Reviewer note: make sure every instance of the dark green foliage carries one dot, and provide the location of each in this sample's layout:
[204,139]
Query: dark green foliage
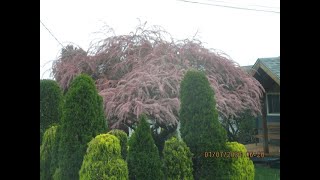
[50,104]
[143,157]
[122,136]
[241,128]
[241,167]
[177,160]
[246,128]
[200,128]
[46,150]
[83,119]
[103,160]
[160,138]
[70,51]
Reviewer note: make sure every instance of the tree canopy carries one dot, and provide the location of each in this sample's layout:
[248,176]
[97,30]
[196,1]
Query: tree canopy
[141,73]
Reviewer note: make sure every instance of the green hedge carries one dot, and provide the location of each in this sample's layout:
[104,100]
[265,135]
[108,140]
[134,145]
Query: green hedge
[122,136]
[177,160]
[46,150]
[83,119]
[50,104]
[143,157]
[103,160]
[200,128]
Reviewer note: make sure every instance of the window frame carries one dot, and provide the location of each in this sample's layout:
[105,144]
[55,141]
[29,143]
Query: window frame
[272,114]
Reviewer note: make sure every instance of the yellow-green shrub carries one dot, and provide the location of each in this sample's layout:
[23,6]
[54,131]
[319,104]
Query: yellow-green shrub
[46,151]
[103,160]
[239,167]
[177,160]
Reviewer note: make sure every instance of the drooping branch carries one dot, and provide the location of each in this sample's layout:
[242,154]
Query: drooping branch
[141,73]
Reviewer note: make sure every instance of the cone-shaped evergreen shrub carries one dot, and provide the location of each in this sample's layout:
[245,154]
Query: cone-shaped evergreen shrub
[200,128]
[177,160]
[143,157]
[46,150]
[83,119]
[103,160]
[50,104]
[122,136]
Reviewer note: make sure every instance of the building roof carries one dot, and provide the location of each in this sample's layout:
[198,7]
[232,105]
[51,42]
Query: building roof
[270,65]
[246,68]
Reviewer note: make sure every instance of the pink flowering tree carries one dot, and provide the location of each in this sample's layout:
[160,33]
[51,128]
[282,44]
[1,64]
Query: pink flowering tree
[141,73]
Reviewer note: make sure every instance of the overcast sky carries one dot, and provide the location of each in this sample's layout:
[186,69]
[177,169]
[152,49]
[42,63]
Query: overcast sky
[243,34]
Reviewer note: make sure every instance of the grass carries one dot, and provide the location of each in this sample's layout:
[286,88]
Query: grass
[266,173]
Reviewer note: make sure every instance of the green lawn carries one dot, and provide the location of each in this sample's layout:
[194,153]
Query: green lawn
[266,173]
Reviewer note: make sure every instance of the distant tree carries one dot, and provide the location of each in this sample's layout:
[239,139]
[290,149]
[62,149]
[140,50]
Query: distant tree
[177,160]
[122,136]
[200,128]
[103,160]
[71,51]
[160,138]
[67,55]
[50,104]
[46,150]
[83,119]
[246,129]
[240,129]
[143,157]
[141,73]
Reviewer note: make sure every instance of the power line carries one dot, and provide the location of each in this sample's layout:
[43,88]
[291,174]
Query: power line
[248,4]
[51,34]
[234,7]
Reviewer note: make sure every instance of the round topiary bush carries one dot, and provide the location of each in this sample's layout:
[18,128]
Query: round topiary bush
[50,104]
[177,160]
[46,150]
[143,156]
[83,119]
[240,167]
[200,128]
[122,136]
[103,160]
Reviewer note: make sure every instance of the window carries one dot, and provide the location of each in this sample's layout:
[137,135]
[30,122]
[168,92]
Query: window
[273,102]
